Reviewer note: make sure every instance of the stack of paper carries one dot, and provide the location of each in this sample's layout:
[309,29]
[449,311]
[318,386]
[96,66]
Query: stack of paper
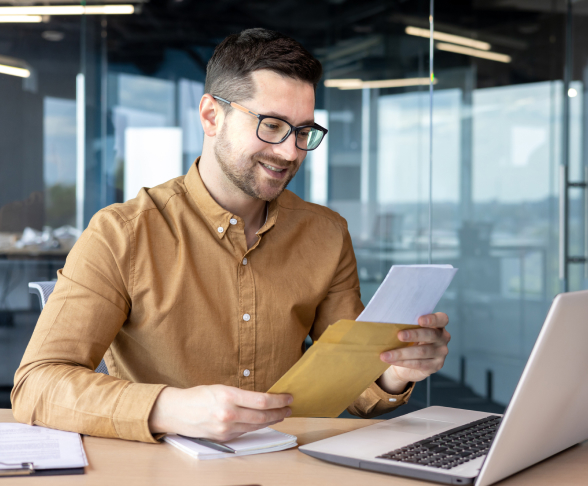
[51,451]
[345,360]
[258,442]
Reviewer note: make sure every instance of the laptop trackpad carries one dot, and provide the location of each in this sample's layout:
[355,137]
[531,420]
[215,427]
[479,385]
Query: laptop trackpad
[418,426]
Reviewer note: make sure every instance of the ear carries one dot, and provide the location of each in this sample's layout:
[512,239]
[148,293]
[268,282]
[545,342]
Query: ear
[211,115]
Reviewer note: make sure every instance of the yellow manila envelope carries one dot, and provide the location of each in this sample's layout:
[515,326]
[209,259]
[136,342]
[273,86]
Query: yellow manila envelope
[338,367]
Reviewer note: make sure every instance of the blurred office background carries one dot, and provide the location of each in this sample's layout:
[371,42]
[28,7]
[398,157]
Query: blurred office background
[96,103]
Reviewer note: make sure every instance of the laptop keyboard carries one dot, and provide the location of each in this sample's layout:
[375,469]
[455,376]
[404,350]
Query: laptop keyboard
[450,448]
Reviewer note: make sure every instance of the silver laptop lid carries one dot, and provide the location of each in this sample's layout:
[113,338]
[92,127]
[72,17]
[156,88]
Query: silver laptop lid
[549,409]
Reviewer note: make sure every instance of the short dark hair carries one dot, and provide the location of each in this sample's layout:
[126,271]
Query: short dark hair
[228,73]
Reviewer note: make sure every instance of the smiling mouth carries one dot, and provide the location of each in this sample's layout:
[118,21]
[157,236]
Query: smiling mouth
[272,168]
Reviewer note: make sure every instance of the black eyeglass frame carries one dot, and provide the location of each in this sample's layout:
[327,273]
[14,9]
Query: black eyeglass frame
[263,117]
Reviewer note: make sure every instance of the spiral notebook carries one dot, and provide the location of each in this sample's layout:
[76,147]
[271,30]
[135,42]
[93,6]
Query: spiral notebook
[257,442]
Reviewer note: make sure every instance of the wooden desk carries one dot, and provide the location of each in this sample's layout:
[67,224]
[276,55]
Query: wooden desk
[114,462]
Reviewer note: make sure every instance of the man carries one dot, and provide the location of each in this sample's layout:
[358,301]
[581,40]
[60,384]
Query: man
[200,292]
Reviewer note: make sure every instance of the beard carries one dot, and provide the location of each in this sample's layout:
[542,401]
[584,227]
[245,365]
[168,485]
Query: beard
[242,171]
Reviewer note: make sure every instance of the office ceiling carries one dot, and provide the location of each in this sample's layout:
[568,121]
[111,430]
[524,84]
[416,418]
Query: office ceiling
[353,38]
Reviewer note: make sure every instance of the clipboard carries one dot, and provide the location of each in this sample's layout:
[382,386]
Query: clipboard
[25,451]
[339,367]
[28,469]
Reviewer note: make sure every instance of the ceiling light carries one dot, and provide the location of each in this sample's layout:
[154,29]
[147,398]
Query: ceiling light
[384,83]
[14,71]
[572,92]
[343,83]
[69,10]
[492,56]
[14,19]
[454,39]
[397,83]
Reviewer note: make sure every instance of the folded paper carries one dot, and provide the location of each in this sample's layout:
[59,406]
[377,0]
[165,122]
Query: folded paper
[339,367]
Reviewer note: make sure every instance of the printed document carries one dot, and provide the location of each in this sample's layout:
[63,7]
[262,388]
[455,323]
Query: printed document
[45,448]
[408,292]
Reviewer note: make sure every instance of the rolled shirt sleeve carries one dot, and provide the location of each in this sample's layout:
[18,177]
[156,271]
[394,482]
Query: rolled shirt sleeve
[55,385]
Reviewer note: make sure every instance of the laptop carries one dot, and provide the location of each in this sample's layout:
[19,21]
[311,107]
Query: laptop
[547,414]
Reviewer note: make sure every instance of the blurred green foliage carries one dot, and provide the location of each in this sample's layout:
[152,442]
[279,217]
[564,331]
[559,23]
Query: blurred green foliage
[60,205]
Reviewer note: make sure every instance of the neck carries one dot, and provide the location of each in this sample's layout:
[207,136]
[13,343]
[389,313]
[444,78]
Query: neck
[250,209]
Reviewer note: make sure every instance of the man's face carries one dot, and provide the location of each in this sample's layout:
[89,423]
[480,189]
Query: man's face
[259,169]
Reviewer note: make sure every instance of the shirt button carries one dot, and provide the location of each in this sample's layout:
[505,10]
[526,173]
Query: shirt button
[220,229]
[246,317]
[233,221]
[244,261]
[246,372]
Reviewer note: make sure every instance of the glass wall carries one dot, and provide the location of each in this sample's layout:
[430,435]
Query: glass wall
[39,63]
[111,105]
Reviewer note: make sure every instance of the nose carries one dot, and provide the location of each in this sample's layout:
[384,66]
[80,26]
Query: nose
[287,149]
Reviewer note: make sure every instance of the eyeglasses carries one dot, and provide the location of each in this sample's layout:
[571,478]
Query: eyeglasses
[271,129]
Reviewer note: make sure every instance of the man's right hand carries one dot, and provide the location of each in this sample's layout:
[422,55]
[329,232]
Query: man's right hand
[216,412]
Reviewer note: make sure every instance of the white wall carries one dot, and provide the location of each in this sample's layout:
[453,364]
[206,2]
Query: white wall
[152,157]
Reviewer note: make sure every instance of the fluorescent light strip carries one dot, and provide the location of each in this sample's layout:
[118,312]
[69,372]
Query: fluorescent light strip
[396,83]
[345,84]
[69,10]
[492,56]
[14,71]
[20,19]
[454,39]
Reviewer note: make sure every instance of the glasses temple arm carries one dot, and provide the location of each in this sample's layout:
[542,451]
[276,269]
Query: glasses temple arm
[236,106]
[243,109]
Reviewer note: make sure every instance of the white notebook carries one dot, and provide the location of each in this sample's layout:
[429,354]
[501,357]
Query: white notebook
[258,442]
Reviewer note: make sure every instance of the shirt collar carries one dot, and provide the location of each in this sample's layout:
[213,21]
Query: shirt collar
[218,217]
[272,216]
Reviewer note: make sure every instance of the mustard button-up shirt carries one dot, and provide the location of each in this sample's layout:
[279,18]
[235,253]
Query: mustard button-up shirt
[166,290]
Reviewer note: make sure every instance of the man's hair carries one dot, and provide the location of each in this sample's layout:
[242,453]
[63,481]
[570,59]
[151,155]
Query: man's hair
[228,73]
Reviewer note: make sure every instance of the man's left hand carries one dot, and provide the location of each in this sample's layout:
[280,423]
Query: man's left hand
[415,363]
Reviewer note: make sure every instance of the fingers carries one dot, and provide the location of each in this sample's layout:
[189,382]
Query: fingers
[220,412]
[255,408]
[420,352]
[260,401]
[438,320]
[425,366]
[262,417]
[424,335]
[238,411]
[225,432]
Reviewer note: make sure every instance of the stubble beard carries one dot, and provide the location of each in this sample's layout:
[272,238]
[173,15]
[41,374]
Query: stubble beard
[240,170]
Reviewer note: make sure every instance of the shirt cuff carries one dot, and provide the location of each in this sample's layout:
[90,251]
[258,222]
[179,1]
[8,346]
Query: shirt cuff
[375,401]
[132,410]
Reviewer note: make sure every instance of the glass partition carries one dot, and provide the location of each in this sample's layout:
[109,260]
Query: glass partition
[111,105]
[39,62]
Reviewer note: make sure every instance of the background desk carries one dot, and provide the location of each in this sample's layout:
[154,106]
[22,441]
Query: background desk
[117,462]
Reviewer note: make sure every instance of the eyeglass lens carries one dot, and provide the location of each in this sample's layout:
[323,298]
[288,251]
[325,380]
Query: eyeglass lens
[273,130]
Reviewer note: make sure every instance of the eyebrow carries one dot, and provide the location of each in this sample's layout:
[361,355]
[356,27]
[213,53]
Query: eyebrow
[278,115]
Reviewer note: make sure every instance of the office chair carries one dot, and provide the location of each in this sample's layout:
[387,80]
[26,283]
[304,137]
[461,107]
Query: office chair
[43,290]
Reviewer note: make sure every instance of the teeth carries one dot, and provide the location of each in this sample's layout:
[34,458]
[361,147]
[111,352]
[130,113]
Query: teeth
[272,168]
